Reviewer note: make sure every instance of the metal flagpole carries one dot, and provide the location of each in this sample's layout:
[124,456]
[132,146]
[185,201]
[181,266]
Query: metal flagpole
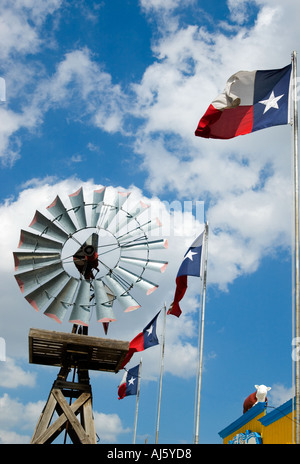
[161,374]
[201,336]
[137,402]
[296,205]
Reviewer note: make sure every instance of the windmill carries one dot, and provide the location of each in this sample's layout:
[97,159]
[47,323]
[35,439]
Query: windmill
[81,263]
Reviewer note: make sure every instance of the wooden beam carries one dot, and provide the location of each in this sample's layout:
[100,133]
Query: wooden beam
[59,349]
[71,417]
[44,434]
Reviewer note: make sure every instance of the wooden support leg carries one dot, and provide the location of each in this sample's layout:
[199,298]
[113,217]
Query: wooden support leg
[80,431]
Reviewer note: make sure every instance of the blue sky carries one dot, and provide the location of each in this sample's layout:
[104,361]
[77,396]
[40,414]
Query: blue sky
[109,93]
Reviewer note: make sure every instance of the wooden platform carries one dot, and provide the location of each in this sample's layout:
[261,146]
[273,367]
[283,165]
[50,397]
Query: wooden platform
[83,351]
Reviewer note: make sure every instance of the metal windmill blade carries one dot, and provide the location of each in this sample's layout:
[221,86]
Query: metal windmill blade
[60,213]
[36,243]
[29,260]
[63,301]
[139,208]
[98,197]
[82,309]
[122,295]
[136,279]
[104,303]
[44,294]
[113,208]
[78,261]
[139,232]
[77,202]
[153,264]
[45,226]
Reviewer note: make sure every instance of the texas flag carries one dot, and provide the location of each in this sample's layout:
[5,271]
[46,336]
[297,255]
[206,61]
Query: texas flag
[143,340]
[251,100]
[128,385]
[190,266]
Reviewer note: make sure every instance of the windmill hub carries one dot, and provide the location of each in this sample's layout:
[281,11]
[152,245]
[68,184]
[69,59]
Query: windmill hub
[90,251]
[92,248]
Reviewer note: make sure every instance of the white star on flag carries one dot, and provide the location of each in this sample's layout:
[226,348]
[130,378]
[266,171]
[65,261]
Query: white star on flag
[271,102]
[190,254]
[131,381]
[150,330]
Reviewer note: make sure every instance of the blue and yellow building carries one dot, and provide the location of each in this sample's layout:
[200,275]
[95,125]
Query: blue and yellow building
[262,425]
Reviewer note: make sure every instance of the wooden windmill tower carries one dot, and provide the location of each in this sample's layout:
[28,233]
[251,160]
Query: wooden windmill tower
[82,268]
[80,353]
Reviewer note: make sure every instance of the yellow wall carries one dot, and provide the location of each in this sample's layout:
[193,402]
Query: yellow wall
[279,432]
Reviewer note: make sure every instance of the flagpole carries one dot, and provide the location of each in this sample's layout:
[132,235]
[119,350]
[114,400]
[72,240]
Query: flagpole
[137,402]
[296,206]
[202,315]
[161,374]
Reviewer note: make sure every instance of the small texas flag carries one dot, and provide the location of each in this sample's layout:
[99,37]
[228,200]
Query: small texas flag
[190,266]
[129,383]
[143,340]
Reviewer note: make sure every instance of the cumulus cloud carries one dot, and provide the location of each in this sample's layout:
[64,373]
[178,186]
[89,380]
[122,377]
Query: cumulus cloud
[13,376]
[109,427]
[280,394]
[13,415]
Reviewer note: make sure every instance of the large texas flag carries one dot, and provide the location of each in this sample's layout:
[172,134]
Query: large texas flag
[251,100]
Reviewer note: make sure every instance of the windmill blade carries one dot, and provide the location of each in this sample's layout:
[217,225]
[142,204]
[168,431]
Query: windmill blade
[77,202]
[151,225]
[136,280]
[32,279]
[25,261]
[58,210]
[114,208]
[45,226]
[81,309]
[104,311]
[127,302]
[35,242]
[60,305]
[140,230]
[136,211]
[98,196]
[43,295]
[152,264]
[153,245]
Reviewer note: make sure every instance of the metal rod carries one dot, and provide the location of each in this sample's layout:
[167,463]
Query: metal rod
[137,402]
[202,315]
[161,374]
[296,205]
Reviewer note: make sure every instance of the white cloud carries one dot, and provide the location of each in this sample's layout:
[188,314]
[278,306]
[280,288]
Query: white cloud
[21,23]
[13,376]
[16,416]
[279,394]
[109,427]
